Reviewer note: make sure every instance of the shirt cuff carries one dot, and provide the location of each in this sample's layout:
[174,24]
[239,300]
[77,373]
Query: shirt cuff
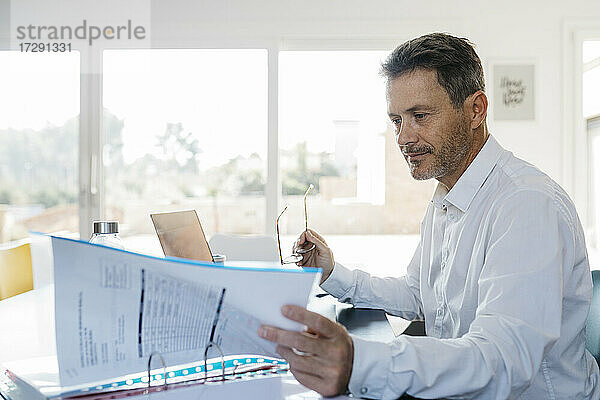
[370,368]
[339,281]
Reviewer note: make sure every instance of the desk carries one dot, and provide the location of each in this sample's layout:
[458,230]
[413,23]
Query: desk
[31,330]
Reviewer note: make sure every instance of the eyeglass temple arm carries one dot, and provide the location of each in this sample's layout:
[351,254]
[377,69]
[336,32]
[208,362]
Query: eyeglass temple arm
[310,187]
[277,229]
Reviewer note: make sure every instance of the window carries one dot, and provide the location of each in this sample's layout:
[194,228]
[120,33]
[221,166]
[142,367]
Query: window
[185,129]
[591,112]
[334,134]
[39,126]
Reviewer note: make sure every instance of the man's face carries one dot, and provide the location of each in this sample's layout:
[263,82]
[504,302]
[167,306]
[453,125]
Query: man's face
[434,137]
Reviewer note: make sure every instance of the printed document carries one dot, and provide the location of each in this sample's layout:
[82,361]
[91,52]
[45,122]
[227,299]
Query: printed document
[115,308]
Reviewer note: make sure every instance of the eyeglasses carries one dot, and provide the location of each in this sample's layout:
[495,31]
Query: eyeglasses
[299,253]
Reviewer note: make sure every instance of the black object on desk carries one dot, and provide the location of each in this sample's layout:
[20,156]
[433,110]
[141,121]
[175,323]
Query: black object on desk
[365,323]
[415,328]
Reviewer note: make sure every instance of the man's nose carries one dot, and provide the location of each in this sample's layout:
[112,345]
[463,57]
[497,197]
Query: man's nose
[405,135]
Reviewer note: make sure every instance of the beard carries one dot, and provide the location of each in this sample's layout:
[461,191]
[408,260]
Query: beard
[448,159]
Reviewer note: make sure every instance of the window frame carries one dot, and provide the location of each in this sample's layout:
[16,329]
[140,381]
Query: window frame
[575,154]
[91,140]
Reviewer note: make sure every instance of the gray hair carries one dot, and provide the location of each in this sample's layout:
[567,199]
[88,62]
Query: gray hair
[458,67]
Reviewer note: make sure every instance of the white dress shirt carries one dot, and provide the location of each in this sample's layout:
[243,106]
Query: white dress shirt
[502,279]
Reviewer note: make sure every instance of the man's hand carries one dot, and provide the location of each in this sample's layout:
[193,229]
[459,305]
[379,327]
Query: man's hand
[326,364]
[320,257]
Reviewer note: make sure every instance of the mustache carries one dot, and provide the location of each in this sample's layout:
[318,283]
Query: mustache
[408,149]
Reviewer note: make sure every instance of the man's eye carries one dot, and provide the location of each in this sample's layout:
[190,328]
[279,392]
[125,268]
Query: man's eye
[397,125]
[420,116]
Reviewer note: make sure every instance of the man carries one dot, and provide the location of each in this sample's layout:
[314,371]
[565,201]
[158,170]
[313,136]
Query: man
[501,274]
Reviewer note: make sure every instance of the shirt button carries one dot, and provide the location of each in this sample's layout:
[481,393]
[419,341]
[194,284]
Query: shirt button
[440,312]
[443,264]
[364,390]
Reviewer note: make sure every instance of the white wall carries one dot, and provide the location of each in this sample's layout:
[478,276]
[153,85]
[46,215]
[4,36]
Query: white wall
[508,30]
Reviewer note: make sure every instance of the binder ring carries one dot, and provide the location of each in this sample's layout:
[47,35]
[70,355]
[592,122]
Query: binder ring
[208,346]
[162,360]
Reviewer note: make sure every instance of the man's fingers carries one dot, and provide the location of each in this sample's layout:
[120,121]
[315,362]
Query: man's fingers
[308,238]
[314,239]
[302,238]
[298,340]
[298,362]
[315,322]
[308,259]
[300,241]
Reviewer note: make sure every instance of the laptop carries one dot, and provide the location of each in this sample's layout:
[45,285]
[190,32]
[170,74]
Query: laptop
[181,235]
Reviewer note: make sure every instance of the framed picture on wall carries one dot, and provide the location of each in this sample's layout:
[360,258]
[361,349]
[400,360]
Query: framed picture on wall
[514,92]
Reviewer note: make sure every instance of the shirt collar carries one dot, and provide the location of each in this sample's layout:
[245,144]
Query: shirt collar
[463,192]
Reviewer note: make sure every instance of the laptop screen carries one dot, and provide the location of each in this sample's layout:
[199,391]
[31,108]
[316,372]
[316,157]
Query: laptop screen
[180,234]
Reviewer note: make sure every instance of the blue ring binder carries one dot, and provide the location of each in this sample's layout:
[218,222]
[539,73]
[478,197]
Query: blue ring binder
[195,373]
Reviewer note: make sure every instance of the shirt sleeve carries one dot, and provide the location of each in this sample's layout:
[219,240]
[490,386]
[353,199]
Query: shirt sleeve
[518,318]
[397,296]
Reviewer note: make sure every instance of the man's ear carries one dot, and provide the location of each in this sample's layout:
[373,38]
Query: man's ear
[477,105]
